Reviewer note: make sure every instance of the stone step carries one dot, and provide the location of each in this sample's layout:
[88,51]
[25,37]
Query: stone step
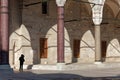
[91,66]
[73,66]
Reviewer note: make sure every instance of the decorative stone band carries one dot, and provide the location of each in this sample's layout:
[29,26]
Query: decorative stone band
[4,7]
[3,12]
[60,2]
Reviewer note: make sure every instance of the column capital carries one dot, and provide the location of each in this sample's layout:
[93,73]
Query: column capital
[97,11]
[97,20]
[60,2]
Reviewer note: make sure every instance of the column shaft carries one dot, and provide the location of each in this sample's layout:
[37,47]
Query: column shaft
[60,35]
[4,31]
[97,43]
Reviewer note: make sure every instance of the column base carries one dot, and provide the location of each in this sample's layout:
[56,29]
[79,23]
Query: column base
[97,62]
[60,66]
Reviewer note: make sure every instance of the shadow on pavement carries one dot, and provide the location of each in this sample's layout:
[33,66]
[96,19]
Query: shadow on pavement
[41,75]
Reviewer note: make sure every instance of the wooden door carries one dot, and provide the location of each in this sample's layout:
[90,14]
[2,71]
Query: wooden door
[76,48]
[103,48]
[43,48]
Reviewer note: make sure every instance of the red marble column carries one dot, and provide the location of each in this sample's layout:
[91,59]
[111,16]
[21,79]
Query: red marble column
[60,35]
[4,30]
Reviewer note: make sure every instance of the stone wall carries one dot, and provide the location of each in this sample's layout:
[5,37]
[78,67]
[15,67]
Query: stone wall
[78,25]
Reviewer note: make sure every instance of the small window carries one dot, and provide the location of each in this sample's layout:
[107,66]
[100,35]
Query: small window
[44,7]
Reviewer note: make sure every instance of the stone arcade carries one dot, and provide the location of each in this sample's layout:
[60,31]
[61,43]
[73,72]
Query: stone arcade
[59,32]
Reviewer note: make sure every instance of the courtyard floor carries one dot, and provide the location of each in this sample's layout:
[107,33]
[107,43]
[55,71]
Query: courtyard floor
[83,74]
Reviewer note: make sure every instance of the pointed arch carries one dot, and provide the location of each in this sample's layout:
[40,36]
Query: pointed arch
[52,45]
[113,49]
[87,46]
[20,43]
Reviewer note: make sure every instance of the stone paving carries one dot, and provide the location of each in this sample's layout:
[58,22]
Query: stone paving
[86,74]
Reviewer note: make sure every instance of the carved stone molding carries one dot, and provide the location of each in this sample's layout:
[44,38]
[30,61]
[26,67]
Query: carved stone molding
[60,2]
[97,11]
